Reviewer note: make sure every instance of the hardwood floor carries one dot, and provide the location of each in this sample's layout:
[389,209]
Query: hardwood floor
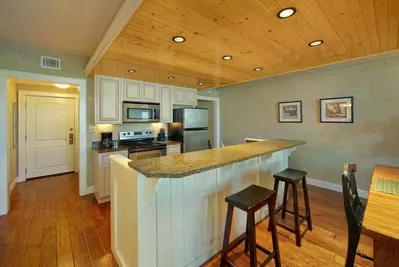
[50,225]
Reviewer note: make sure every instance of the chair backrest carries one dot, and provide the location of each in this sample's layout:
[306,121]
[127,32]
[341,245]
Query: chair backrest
[351,203]
[350,170]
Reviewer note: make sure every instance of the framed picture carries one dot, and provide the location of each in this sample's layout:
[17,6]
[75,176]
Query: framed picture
[338,110]
[290,111]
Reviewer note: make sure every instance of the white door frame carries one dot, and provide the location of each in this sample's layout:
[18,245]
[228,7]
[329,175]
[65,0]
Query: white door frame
[82,85]
[216,114]
[22,128]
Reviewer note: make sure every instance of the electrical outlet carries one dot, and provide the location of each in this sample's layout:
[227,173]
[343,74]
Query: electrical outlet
[107,128]
[92,128]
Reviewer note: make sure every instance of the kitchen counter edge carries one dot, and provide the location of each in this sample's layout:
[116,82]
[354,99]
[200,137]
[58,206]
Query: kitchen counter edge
[156,168]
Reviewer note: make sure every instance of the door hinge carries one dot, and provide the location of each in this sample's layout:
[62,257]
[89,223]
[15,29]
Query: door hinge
[26,105]
[26,137]
[26,170]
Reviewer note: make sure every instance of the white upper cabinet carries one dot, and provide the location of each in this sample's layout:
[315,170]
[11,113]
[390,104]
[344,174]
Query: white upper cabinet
[166,111]
[185,96]
[191,97]
[180,96]
[108,100]
[132,90]
[151,93]
[138,91]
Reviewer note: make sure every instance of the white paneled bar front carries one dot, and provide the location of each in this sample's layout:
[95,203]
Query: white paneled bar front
[172,222]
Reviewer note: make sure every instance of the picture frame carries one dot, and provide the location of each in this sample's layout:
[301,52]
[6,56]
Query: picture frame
[290,112]
[336,110]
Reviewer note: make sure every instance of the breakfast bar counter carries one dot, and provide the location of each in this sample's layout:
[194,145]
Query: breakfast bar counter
[181,165]
[170,211]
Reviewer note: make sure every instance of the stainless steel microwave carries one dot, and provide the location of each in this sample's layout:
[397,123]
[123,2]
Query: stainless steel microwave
[140,112]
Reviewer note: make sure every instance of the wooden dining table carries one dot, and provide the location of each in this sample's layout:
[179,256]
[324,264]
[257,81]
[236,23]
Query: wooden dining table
[381,219]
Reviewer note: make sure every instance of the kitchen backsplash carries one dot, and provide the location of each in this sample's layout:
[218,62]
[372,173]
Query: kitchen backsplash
[126,127]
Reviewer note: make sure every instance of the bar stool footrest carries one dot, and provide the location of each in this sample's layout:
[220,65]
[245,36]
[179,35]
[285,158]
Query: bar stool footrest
[270,254]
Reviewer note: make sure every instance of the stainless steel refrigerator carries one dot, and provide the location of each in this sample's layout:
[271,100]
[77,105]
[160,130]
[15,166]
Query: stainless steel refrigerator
[190,126]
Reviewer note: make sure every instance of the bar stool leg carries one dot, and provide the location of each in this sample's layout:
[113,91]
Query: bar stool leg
[252,239]
[272,222]
[246,240]
[307,205]
[275,189]
[226,238]
[284,200]
[296,215]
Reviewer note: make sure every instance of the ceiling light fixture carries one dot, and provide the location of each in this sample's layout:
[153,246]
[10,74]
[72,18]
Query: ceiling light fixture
[179,39]
[286,13]
[316,43]
[200,83]
[227,57]
[258,69]
[62,86]
[171,78]
[131,70]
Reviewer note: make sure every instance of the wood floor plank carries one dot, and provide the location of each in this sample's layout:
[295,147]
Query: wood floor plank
[32,257]
[60,228]
[48,256]
[64,249]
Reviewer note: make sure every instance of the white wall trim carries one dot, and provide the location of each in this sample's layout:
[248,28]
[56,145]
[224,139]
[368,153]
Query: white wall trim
[126,11]
[216,108]
[4,162]
[333,187]
[22,128]
[12,186]
[90,190]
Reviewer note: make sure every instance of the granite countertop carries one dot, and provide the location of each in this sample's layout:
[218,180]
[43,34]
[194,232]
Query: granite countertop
[109,149]
[181,165]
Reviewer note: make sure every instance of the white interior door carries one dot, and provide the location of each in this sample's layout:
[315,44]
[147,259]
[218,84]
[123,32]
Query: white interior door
[50,128]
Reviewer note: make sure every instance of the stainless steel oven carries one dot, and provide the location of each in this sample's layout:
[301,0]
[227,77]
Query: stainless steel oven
[140,112]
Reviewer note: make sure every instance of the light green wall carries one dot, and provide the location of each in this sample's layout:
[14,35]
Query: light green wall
[26,58]
[250,110]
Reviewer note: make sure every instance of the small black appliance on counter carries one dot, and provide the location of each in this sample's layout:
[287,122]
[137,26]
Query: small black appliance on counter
[106,139]
[161,135]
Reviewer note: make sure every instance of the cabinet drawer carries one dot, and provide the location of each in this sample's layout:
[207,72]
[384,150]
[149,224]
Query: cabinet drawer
[173,149]
[105,160]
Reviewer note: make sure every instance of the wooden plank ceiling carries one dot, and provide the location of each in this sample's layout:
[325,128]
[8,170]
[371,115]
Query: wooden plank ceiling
[251,32]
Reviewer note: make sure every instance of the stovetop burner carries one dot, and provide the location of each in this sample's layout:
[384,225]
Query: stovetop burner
[139,141]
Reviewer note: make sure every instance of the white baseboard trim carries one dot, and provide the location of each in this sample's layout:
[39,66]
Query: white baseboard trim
[12,186]
[334,187]
[90,190]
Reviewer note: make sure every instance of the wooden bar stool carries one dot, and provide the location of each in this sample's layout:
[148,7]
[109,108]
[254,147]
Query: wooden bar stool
[293,177]
[250,200]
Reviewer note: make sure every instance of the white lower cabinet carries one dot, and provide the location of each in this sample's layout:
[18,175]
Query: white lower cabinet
[173,149]
[101,174]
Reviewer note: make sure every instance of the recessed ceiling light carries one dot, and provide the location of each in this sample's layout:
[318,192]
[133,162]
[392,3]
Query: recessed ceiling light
[62,86]
[316,43]
[227,57]
[131,70]
[171,78]
[258,69]
[200,83]
[286,13]
[179,39]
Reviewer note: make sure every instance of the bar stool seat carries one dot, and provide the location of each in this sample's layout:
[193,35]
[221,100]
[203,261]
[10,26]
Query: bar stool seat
[293,177]
[250,200]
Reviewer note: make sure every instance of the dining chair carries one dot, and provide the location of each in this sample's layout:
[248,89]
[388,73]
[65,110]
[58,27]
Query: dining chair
[354,211]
